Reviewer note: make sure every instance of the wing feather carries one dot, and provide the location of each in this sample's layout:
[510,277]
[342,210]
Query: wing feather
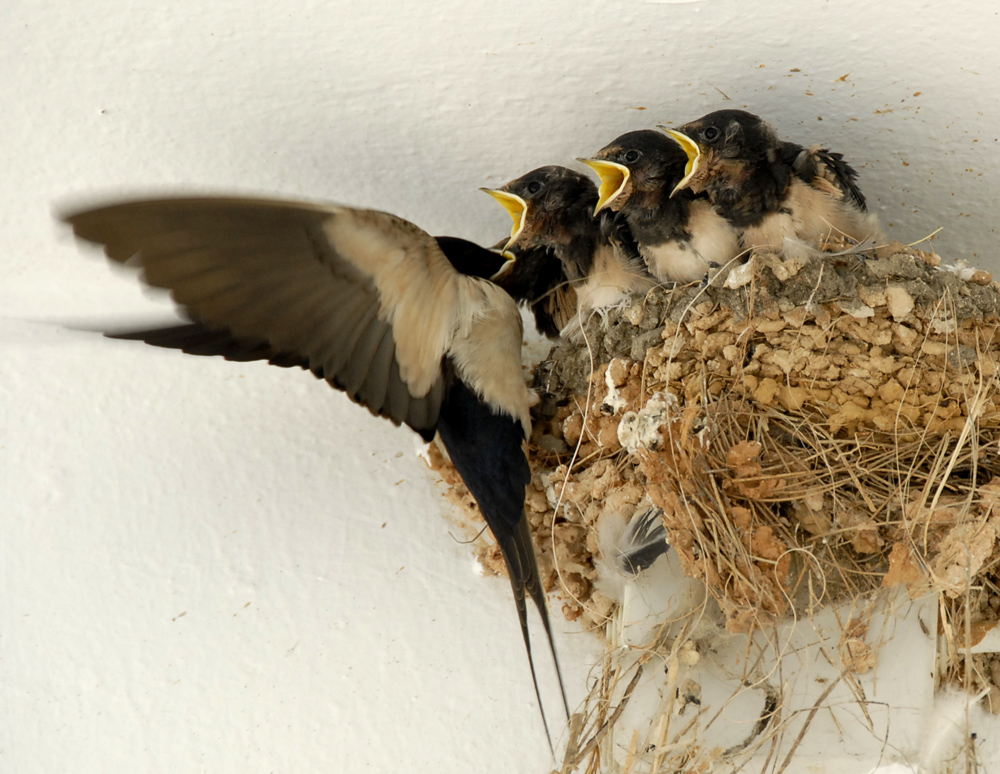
[365,298]
[340,345]
[398,401]
[356,370]
[376,383]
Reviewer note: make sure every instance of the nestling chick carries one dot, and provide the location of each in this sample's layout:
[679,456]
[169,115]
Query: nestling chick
[678,237]
[552,209]
[776,196]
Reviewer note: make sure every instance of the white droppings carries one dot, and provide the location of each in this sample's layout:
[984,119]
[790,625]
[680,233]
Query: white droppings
[960,269]
[740,276]
[643,429]
[423,451]
[613,399]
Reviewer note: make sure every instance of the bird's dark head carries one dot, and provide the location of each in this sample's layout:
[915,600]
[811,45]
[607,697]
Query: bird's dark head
[723,147]
[638,166]
[547,206]
[733,134]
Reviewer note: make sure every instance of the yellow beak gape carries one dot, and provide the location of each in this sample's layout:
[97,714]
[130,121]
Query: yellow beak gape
[516,207]
[693,153]
[613,179]
[509,259]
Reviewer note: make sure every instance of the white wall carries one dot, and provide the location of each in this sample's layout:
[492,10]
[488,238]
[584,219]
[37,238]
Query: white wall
[137,485]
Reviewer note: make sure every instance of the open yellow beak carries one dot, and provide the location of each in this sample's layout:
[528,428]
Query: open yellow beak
[508,263]
[693,153]
[613,179]
[516,207]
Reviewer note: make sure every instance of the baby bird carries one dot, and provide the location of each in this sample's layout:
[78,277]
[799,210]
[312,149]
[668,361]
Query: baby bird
[678,237]
[552,209]
[778,195]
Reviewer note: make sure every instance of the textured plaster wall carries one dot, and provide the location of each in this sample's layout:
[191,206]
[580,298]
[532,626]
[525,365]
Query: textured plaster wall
[212,567]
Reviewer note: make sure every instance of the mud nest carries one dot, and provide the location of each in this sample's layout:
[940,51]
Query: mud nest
[811,431]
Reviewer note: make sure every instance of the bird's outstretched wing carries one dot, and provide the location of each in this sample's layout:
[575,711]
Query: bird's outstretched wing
[364,298]
[198,339]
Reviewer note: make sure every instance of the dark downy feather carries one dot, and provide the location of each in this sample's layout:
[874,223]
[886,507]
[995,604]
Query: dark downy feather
[810,163]
[615,230]
[469,258]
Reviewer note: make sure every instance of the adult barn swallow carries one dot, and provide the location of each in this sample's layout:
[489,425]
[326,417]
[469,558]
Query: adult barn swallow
[404,324]
[770,190]
[553,213]
[678,237]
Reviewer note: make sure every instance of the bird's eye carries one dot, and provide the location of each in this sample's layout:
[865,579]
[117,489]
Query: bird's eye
[711,134]
[534,187]
[632,156]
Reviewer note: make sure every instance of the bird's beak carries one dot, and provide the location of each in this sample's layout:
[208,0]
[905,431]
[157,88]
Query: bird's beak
[517,208]
[693,153]
[613,179]
[508,263]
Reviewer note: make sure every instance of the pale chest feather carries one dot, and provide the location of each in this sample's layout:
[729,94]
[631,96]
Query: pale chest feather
[713,241]
[770,232]
[674,261]
[814,213]
[612,278]
[712,236]
[486,349]
[809,214]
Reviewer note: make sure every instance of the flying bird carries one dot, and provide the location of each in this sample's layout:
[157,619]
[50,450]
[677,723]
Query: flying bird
[778,195]
[553,214]
[403,323]
[679,237]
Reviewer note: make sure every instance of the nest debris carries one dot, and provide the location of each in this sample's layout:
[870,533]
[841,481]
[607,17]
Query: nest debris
[812,431]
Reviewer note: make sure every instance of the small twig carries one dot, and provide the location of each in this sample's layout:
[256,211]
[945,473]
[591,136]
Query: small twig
[612,719]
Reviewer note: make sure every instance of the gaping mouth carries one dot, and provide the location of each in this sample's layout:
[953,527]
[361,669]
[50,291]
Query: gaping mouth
[613,179]
[516,207]
[693,153]
[509,260]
